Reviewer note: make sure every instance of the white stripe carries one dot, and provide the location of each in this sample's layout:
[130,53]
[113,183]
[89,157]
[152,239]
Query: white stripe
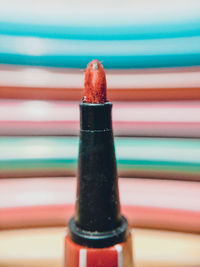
[83,258]
[119,255]
[147,79]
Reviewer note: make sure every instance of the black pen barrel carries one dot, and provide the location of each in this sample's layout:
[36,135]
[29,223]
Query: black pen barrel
[97,220]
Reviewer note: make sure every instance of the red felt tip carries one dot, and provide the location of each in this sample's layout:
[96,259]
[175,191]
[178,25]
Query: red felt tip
[95,83]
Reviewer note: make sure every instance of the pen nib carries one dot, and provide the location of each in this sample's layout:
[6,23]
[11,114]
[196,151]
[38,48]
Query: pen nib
[95,83]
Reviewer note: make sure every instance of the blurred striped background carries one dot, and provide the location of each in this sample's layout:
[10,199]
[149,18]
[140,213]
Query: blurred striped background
[151,54]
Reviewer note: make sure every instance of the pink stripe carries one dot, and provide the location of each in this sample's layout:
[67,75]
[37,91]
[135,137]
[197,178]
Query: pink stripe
[146,203]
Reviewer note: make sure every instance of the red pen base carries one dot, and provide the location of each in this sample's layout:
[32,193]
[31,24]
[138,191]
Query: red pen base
[119,255]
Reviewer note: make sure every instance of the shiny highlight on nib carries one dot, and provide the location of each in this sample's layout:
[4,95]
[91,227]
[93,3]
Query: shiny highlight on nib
[95,83]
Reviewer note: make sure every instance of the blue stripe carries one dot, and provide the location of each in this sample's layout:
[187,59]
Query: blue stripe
[125,32]
[158,53]
[113,62]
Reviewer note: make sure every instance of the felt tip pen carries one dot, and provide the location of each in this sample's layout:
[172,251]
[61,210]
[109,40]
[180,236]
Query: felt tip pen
[98,230]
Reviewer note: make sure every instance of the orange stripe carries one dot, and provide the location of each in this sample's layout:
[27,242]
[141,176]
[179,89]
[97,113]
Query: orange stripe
[113,94]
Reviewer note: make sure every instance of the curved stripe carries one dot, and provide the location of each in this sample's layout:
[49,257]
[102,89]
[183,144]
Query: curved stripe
[136,157]
[154,204]
[174,119]
[128,20]
[175,52]
[123,79]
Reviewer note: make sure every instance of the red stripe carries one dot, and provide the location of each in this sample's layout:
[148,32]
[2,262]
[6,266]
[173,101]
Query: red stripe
[138,216]
[123,94]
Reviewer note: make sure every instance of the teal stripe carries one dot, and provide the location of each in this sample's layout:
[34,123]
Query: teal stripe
[174,52]
[133,31]
[42,165]
[133,154]
[71,164]
[162,166]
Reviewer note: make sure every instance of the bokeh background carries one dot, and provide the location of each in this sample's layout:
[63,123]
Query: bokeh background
[151,54]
